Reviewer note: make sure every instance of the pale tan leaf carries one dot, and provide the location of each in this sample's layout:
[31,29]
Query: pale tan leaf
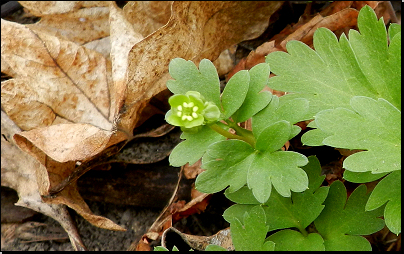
[196,30]
[147,16]
[72,80]
[80,26]
[102,46]
[61,81]
[41,8]
[123,37]
[18,171]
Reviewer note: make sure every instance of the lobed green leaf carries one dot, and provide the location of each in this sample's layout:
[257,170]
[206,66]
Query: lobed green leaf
[187,77]
[297,211]
[291,240]
[342,221]
[250,235]
[373,126]
[388,190]
[194,146]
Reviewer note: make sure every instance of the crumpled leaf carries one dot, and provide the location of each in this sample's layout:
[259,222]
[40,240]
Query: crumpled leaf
[343,221]
[18,171]
[74,101]
[80,26]
[40,8]
[147,16]
[72,107]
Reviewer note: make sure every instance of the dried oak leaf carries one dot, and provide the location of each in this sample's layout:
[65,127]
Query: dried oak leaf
[40,8]
[18,171]
[62,96]
[147,16]
[72,107]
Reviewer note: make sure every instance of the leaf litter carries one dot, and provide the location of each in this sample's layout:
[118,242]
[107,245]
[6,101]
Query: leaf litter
[67,104]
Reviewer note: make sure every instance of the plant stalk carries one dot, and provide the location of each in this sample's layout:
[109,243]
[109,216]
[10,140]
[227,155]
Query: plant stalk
[229,135]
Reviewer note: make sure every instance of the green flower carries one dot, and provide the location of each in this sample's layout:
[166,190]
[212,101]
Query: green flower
[191,110]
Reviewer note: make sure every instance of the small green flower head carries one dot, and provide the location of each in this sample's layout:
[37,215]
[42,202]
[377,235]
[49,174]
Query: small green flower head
[191,110]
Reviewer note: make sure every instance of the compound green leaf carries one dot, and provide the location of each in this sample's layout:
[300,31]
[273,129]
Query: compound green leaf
[250,235]
[234,163]
[193,147]
[235,92]
[373,126]
[338,70]
[388,190]
[290,240]
[280,169]
[226,163]
[297,211]
[255,99]
[187,77]
[342,221]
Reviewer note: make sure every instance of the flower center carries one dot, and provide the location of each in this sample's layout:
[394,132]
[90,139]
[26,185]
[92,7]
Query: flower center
[187,111]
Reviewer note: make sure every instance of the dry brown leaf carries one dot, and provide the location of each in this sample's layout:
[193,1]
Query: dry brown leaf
[81,26]
[41,8]
[83,107]
[192,171]
[197,242]
[147,16]
[67,89]
[196,30]
[18,171]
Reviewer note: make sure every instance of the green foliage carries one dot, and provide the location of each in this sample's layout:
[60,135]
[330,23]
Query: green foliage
[339,223]
[161,248]
[371,127]
[388,190]
[194,146]
[354,90]
[212,247]
[235,163]
[351,88]
[343,221]
[250,235]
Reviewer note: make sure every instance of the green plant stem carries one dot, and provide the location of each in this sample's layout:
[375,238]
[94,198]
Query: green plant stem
[302,230]
[241,131]
[229,135]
